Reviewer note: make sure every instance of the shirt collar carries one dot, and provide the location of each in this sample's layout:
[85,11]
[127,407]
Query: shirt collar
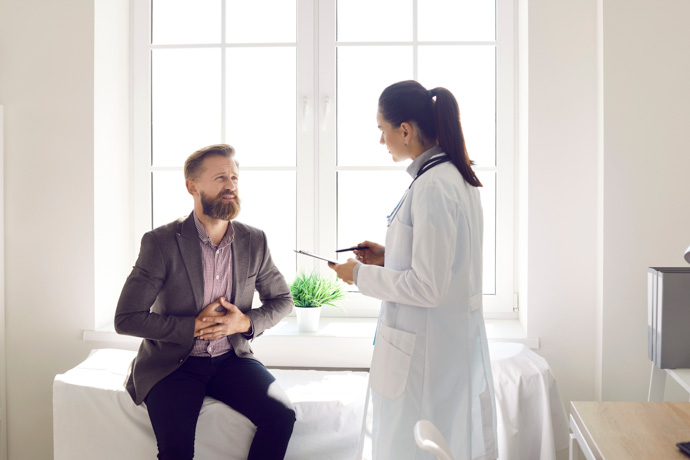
[418,162]
[203,235]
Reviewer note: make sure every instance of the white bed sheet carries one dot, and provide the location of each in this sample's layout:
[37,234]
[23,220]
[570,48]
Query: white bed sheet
[532,423]
[94,417]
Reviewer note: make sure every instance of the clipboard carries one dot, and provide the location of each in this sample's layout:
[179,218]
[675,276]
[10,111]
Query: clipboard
[310,254]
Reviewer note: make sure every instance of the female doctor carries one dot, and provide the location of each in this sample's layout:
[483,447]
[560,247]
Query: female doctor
[431,358]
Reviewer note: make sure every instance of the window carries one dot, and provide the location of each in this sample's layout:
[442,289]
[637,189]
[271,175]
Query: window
[293,86]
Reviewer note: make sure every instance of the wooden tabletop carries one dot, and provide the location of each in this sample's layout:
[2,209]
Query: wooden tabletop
[633,430]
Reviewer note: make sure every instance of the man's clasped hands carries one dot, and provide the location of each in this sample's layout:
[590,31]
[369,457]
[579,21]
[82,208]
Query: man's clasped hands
[220,319]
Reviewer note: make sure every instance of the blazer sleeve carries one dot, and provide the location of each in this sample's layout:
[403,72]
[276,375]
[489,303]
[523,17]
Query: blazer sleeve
[276,300]
[133,315]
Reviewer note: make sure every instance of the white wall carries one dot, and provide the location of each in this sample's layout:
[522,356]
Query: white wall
[646,173]
[47,88]
[560,211]
[112,219]
[607,168]
[599,213]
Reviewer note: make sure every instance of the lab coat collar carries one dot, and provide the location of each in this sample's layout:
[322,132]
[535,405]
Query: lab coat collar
[418,162]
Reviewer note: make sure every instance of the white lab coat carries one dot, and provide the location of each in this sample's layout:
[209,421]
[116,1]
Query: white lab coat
[431,357]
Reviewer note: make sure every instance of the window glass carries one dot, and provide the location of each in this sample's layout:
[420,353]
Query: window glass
[269,203]
[185,21]
[469,72]
[233,71]
[260,107]
[170,198]
[185,103]
[359,216]
[460,20]
[260,21]
[358,95]
[381,20]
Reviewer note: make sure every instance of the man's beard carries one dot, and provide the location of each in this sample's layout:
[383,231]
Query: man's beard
[219,209]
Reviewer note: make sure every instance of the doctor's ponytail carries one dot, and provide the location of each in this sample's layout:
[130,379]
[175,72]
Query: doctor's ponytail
[438,120]
[449,133]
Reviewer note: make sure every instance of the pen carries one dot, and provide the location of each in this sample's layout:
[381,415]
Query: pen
[352,248]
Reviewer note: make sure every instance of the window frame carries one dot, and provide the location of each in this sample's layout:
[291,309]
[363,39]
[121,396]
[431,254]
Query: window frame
[316,168]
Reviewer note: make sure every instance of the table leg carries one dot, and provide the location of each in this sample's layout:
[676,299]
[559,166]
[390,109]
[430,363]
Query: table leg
[657,384]
[576,435]
[573,453]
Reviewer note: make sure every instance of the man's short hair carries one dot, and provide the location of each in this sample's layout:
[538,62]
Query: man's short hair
[192,166]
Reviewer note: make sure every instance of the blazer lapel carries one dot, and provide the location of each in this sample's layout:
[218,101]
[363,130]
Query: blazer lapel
[188,241]
[240,258]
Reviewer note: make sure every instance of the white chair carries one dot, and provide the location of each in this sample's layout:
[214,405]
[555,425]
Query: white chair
[428,438]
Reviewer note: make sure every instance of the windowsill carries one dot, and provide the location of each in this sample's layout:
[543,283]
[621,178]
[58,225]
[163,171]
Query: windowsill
[350,328]
[339,343]
[509,330]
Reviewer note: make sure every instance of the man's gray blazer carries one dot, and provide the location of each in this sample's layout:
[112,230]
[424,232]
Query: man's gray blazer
[165,291]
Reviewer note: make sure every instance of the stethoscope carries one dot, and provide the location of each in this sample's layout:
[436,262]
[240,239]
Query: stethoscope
[434,161]
[443,158]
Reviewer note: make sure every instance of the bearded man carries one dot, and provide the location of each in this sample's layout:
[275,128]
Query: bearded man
[189,297]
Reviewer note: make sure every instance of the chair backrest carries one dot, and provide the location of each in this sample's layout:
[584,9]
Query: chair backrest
[428,438]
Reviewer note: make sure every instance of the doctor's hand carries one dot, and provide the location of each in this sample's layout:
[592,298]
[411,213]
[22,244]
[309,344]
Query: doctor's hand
[214,309]
[344,271]
[232,322]
[375,255]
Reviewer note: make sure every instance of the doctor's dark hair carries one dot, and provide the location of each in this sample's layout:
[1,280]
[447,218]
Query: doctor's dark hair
[192,166]
[438,120]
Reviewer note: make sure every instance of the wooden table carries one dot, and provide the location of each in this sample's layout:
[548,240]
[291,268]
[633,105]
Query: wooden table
[629,430]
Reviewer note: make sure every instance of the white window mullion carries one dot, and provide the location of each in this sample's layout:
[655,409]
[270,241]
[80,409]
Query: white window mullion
[223,81]
[141,121]
[501,304]
[415,41]
[326,187]
[306,128]
[318,56]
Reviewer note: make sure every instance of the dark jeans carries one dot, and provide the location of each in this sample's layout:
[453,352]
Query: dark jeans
[243,384]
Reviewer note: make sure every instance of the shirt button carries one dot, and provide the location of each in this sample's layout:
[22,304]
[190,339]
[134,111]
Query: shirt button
[209,349]
[217,276]
[218,252]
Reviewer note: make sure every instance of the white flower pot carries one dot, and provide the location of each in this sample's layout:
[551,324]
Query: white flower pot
[308,318]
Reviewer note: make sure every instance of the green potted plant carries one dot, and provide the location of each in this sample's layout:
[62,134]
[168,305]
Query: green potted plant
[310,292]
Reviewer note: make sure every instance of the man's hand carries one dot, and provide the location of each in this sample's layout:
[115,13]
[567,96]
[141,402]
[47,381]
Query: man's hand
[232,322]
[213,310]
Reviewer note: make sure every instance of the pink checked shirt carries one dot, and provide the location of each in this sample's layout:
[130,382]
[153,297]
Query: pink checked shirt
[217,263]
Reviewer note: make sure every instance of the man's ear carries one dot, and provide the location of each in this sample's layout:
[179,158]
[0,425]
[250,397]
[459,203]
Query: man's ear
[191,186]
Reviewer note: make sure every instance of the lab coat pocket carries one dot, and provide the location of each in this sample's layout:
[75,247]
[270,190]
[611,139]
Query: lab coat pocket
[390,365]
[399,238]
